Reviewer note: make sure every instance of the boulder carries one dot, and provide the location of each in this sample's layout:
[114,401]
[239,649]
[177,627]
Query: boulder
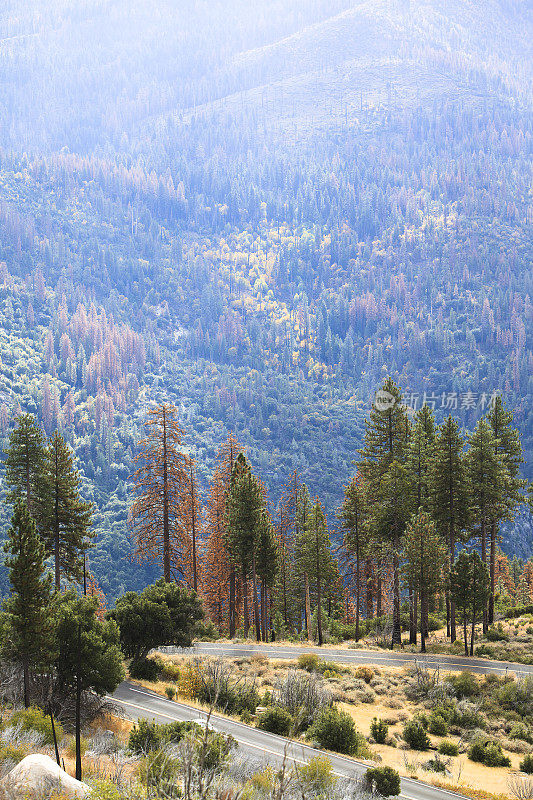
[36,776]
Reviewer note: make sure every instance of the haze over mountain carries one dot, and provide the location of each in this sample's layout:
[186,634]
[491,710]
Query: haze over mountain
[259,211]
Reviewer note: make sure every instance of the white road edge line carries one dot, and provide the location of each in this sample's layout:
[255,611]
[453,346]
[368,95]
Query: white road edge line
[242,741]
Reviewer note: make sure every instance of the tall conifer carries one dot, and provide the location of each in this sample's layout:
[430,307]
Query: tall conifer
[29,634]
[65,517]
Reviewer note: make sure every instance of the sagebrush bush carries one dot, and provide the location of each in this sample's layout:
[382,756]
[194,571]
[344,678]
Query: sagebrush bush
[379,730]
[364,673]
[308,661]
[34,719]
[414,733]
[275,720]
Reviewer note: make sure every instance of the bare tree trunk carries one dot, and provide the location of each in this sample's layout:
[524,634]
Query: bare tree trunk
[492,572]
[484,559]
[256,605]
[232,625]
[246,620]
[307,608]
[396,622]
[166,527]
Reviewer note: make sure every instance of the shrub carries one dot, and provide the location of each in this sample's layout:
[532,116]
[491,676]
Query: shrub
[447,748]
[12,753]
[206,631]
[468,716]
[170,692]
[517,696]
[33,719]
[364,674]
[167,669]
[384,781]
[335,730]
[464,685]
[415,735]
[317,777]
[275,720]
[308,661]
[379,730]
[521,731]
[438,725]
[496,633]
[526,765]
[146,737]
[489,752]
[144,669]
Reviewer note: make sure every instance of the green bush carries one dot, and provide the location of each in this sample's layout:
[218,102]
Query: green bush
[11,753]
[335,730]
[448,748]
[316,778]
[144,669]
[438,725]
[146,737]
[206,631]
[275,720]
[415,735]
[521,731]
[379,730]
[308,661]
[464,685]
[384,781]
[34,719]
[496,633]
[518,611]
[526,765]
[517,696]
[170,692]
[489,752]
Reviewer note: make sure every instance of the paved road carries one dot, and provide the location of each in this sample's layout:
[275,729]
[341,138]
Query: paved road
[377,657]
[139,702]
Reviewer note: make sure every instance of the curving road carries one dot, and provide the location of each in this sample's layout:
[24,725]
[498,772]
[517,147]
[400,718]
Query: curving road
[138,702]
[371,657]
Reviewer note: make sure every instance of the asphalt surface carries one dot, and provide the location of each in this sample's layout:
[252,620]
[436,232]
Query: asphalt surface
[378,657]
[138,702]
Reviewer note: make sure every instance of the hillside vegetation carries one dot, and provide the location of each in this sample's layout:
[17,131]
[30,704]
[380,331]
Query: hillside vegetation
[258,214]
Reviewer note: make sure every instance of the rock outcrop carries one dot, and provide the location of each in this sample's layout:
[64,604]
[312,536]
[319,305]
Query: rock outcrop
[36,776]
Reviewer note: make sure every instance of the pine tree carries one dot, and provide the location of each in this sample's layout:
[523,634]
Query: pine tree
[314,556]
[487,487]
[386,479]
[355,541]
[245,507]
[425,561]
[267,567]
[469,587]
[65,517]
[509,451]
[25,462]
[449,496]
[157,514]
[29,610]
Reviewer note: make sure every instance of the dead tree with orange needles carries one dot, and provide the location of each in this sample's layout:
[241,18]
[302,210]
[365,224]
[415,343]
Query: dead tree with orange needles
[220,581]
[157,516]
[193,520]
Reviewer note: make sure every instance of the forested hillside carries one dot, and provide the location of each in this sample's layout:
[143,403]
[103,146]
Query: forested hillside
[258,212]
